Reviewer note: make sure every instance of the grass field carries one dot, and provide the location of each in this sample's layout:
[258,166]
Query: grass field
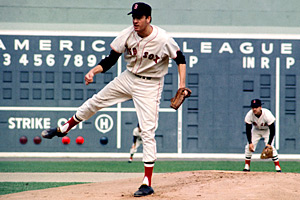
[14,187]
[122,166]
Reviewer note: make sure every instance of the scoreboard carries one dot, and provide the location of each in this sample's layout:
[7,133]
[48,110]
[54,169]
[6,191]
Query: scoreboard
[42,84]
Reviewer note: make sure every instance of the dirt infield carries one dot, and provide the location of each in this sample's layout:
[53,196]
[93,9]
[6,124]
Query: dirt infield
[83,177]
[225,185]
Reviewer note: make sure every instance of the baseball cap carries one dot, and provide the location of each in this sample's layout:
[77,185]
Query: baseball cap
[140,9]
[255,103]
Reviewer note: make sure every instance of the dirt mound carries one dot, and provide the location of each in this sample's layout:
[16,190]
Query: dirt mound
[225,185]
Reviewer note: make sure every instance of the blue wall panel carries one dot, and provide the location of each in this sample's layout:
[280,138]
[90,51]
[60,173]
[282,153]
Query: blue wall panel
[227,75]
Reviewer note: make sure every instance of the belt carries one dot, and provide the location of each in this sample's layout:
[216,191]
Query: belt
[143,77]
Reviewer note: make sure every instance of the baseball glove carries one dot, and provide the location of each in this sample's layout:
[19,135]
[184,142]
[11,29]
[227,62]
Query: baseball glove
[180,97]
[267,153]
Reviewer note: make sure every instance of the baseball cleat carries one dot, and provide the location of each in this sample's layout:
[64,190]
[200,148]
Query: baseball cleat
[130,160]
[144,190]
[50,133]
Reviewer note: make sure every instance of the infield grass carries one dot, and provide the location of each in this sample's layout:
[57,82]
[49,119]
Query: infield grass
[123,166]
[14,187]
[137,166]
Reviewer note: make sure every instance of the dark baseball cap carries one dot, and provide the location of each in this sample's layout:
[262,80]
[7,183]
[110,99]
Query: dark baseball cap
[140,9]
[255,103]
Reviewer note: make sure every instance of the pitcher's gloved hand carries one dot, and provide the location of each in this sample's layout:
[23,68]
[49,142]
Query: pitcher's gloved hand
[180,97]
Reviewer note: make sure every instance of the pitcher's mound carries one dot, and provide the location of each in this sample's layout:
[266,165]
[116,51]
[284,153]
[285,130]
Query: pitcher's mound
[225,185]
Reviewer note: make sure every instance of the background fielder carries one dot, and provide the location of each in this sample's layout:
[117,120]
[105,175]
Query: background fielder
[137,141]
[259,124]
[147,49]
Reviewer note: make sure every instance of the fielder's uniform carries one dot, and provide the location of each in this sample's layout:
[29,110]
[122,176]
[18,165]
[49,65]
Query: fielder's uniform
[136,142]
[260,129]
[147,62]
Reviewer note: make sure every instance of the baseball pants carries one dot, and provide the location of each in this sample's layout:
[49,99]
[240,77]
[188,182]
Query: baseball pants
[146,95]
[135,146]
[256,136]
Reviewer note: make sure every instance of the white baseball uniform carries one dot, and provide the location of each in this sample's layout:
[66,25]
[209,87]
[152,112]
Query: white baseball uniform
[147,62]
[260,129]
[138,142]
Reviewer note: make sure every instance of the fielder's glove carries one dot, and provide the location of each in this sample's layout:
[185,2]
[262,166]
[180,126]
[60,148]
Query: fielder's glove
[180,97]
[267,153]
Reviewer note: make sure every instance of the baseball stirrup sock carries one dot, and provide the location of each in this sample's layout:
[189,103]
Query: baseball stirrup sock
[276,163]
[69,124]
[247,162]
[275,158]
[148,173]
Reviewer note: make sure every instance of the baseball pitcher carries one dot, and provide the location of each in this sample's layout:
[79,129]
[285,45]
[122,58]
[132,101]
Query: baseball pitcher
[147,49]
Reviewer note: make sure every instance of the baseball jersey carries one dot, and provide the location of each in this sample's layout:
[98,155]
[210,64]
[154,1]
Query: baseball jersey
[136,132]
[261,123]
[148,56]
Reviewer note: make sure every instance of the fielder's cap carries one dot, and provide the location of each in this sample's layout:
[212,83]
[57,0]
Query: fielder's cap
[255,103]
[140,9]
